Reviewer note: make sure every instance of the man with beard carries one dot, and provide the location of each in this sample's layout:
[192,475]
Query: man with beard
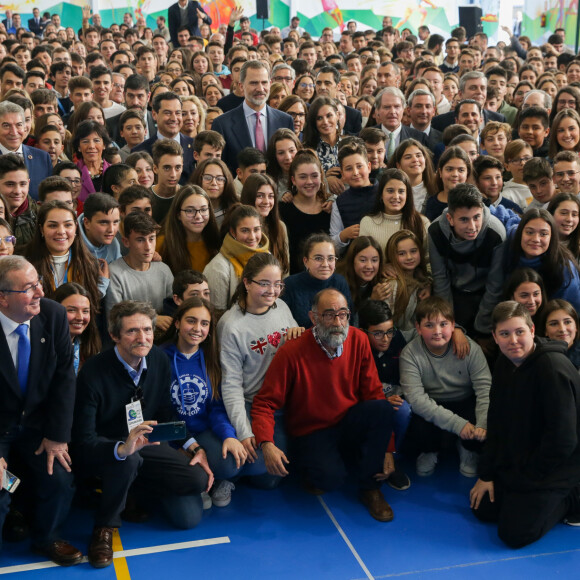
[253,122]
[335,412]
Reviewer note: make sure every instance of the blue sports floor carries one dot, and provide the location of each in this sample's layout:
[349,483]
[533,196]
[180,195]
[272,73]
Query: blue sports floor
[288,534]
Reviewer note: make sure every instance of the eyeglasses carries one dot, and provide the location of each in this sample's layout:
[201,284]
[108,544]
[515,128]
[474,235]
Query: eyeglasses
[118,86]
[297,115]
[264,284]
[330,315]
[191,212]
[565,103]
[570,173]
[520,160]
[73,181]
[31,288]
[283,79]
[207,178]
[322,259]
[380,334]
[8,240]
[306,86]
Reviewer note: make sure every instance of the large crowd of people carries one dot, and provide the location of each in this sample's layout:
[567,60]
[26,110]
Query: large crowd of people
[298,255]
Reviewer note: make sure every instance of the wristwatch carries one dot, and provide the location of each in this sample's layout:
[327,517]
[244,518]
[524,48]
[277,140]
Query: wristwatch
[197,450]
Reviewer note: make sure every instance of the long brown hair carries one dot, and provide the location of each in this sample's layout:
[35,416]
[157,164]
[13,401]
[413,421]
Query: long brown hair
[356,247]
[83,265]
[275,229]
[251,271]
[229,196]
[429,180]
[174,251]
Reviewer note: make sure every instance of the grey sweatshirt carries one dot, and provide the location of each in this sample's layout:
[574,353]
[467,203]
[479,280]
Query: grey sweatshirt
[248,343]
[427,379]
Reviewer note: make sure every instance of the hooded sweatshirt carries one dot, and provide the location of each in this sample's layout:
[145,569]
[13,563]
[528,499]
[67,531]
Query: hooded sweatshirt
[533,426]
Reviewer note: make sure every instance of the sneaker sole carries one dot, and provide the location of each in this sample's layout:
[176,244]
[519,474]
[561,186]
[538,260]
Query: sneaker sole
[221,503]
[398,487]
[573,523]
[467,473]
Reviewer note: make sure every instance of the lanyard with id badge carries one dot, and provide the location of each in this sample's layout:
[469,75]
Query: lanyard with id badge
[134,411]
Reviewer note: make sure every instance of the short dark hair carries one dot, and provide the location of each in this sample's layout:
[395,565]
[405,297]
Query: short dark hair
[484,162]
[51,184]
[327,69]
[141,223]
[163,147]
[184,279]
[136,82]
[536,168]
[11,162]
[507,310]
[99,202]
[14,69]
[464,195]
[100,71]
[134,193]
[250,156]
[166,96]
[352,148]
[373,312]
[211,138]
[535,112]
[86,128]
[433,306]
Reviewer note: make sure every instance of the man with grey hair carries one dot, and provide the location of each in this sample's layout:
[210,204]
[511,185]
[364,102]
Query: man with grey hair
[472,85]
[389,109]
[37,393]
[335,411]
[537,98]
[284,73]
[121,394]
[421,110]
[253,122]
[12,135]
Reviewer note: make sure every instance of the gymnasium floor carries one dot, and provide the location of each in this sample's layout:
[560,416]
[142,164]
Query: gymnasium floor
[288,534]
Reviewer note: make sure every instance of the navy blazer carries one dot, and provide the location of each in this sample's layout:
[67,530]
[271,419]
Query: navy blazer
[50,395]
[234,129]
[39,167]
[36,29]
[441,121]
[174,20]
[353,122]
[186,143]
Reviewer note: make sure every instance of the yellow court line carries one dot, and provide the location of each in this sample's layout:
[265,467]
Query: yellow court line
[121,567]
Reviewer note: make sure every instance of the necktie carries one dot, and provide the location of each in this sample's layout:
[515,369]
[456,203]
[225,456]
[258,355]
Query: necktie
[391,147]
[23,356]
[260,143]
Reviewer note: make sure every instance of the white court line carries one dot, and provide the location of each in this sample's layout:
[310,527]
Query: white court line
[123,554]
[468,564]
[345,538]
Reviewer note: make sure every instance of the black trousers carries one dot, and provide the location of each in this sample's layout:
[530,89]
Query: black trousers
[425,437]
[158,471]
[466,307]
[50,495]
[360,439]
[523,517]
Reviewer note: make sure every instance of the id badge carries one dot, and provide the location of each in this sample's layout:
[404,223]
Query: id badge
[134,415]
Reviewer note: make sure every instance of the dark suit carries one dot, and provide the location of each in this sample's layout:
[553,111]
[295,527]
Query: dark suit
[441,121]
[36,29]
[113,128]
[353,124]
[234,129]
[433,139]
[46,411]
[174,20]
[186,143]
[39,167]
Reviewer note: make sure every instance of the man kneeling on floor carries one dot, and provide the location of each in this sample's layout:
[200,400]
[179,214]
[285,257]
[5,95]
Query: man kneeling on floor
[334,407]
[529,472]
[121,394]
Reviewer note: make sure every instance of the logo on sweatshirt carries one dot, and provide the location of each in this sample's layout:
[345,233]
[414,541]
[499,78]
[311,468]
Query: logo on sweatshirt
[259,346]
[189,394]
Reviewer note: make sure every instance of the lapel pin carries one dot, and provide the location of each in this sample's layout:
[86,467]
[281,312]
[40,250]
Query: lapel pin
[43,340]
[29,156]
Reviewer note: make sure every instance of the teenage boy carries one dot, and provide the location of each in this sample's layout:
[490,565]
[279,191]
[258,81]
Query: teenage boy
[136,198]
[530,467]
[250,161]
[463,242]
[56,188]
[215,52]
[534,129]
[102,80]
[168,166]
[357,200]
[446,393]
[567,172]
[186,284]
[208,145]
[387,342]
[517,153]
[487,173]
[376,146]
[50,140]
[538,175]
[136,276]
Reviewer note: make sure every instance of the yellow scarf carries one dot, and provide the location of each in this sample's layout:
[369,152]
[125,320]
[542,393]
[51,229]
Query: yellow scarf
[239,254]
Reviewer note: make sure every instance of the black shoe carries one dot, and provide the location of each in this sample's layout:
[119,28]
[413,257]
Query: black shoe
[16,528]
[399,480]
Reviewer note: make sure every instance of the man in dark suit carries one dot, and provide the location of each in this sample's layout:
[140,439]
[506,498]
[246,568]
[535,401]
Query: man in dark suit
[327,81]
[35,24]
[472,85]
[185,13]
[137,94]
[167,115]
[37,393]
[389,109]
[12,132]
[253,123]
[421,109]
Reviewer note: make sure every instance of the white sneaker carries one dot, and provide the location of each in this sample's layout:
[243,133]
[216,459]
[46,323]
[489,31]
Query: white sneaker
[425,464]
[206,500]
[221,496]
[467,461]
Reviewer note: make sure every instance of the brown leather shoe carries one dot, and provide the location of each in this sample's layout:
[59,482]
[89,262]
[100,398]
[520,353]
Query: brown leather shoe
[377,505]
[101,548]
[61,553]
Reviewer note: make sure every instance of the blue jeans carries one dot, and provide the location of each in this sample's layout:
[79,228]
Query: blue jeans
[183,511]
[401,420]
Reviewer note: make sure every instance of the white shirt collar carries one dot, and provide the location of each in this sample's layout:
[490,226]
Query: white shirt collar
[6,151]
[9,325]
[396,132]
[248,111]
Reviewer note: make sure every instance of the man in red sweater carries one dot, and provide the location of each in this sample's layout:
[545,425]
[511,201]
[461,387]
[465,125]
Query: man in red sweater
[335,410]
